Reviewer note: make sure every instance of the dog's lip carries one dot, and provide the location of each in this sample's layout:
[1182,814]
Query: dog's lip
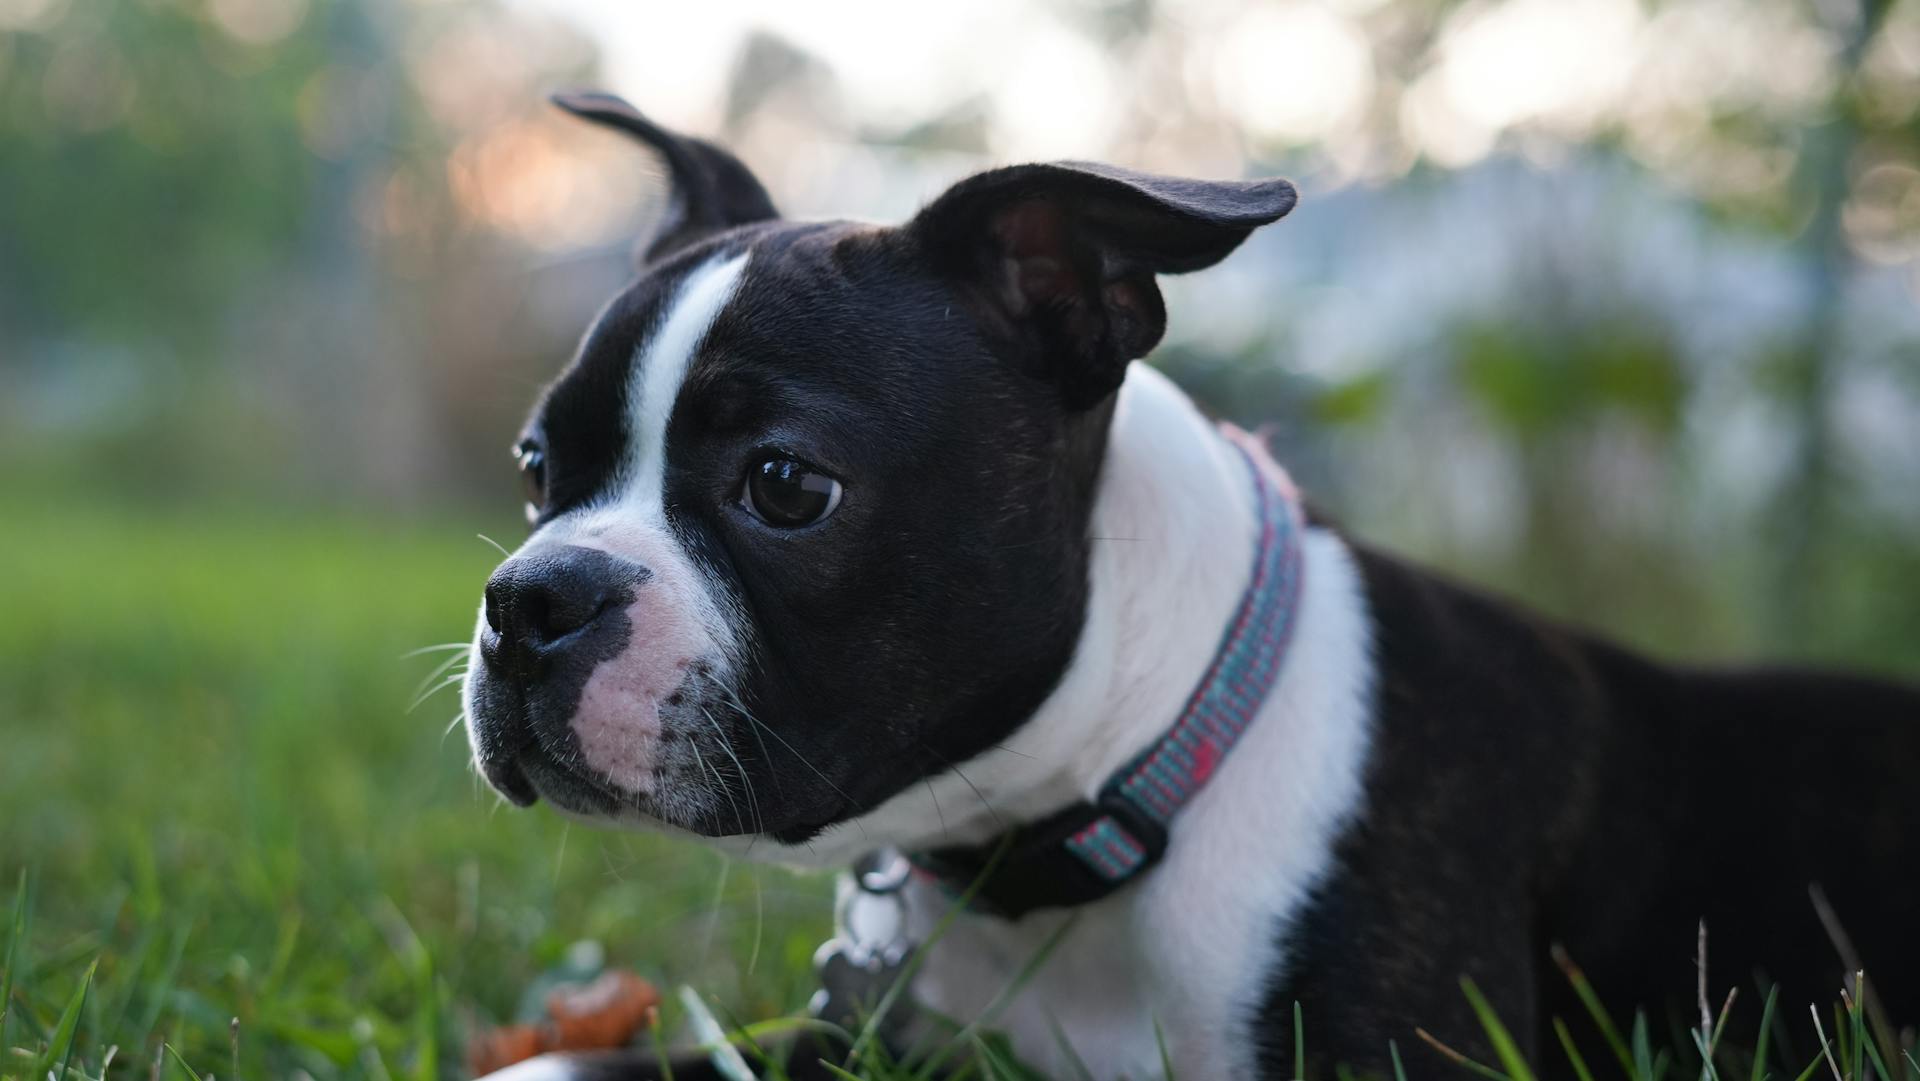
[508,779]
[572,790]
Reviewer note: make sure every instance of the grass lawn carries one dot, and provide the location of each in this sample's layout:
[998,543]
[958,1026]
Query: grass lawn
[210,778]
[221,808]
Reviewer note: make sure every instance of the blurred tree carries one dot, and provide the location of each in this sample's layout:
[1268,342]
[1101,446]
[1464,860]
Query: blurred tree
[149,168]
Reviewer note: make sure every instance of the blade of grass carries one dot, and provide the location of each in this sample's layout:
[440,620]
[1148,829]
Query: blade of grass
[1812,1068]
[159,993]
[1720,1023]
[60,1048]
[781,1026]
[1826,1046]
[1766,1031]
[1299,1043]
[16,936]
[1005,995]
[1000,1061]
[417,963]
[1504,1048]
[134,964]
[1166,1059]
[1066,1048]
[1879,1064]
[1842,1041]
[739,1032]
[871,1030]
[1864,1037]
[1700,1044]
[178,1061]
[713,1039]
[1459,1059]
[1591,1000]
[1643,1060]
[660,1045]
[774,1027]
[1399,1068]
[1580,1070]
[990,1063]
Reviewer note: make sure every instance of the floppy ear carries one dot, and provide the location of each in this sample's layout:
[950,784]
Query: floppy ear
[1059,260]
[710,189]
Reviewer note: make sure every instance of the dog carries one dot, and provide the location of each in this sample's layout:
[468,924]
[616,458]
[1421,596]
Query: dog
[848,536]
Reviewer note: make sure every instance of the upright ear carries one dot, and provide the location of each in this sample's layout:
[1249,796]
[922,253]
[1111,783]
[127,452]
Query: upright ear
[711,190]
[1059,260]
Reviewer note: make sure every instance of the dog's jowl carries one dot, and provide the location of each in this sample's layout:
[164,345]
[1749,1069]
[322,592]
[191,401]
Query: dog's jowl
[849,536]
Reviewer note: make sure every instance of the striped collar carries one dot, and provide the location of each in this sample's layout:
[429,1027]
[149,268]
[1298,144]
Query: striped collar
[1090,849]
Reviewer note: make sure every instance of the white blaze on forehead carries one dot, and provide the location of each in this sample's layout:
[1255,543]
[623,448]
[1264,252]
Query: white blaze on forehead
[662,366]
[676,618]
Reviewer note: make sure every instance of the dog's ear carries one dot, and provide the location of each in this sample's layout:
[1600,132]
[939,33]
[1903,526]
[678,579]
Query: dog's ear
[710,189]
[1059,260]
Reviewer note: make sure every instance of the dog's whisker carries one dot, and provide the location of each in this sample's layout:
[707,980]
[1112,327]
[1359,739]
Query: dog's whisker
[437,647]
[451,681]
[755,728]
[935,797]
[759,915]
[713,910]
[733,700]
[439,670]
[968,781]
[719,781]
[803,761]
[497,546]
[746,780]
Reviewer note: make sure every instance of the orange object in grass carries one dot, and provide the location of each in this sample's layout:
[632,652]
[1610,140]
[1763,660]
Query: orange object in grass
[596,1016]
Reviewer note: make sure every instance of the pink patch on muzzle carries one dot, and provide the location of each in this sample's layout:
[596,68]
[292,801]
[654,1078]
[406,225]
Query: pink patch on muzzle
[618,722]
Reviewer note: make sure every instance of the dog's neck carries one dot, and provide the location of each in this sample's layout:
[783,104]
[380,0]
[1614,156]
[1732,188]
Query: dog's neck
[1173,534]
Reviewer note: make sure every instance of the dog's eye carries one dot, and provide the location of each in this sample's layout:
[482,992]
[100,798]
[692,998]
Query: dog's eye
[533,475]
[789,494]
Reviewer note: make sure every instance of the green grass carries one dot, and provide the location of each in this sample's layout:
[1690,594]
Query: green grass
[228,849]
[210,777]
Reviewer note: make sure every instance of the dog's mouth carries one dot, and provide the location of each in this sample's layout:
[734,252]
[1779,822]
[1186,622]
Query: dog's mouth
[704,776]
[524,772]
[533,774]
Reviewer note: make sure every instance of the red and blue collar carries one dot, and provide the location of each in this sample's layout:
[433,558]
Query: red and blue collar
[1090,849]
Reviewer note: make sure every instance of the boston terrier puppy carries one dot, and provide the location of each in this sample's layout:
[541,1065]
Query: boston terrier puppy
[848,536]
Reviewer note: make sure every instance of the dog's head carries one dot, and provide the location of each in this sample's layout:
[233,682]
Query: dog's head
[810,506]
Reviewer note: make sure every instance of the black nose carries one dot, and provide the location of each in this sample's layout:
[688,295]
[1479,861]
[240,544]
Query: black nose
[533,601]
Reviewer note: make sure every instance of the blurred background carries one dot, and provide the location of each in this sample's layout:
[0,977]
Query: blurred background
[1610,304]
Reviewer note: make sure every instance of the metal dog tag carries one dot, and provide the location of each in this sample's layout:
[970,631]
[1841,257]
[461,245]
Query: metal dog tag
[859,966]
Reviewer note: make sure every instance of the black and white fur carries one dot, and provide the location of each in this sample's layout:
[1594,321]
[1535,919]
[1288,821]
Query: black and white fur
[1035,549]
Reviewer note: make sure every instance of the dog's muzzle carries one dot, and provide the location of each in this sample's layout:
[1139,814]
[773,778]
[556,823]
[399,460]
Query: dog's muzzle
[550,617]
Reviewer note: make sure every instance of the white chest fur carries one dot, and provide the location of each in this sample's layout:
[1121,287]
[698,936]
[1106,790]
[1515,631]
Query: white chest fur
[1193,947]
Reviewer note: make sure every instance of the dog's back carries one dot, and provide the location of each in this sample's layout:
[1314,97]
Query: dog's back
[1779,807]
[1531,787]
